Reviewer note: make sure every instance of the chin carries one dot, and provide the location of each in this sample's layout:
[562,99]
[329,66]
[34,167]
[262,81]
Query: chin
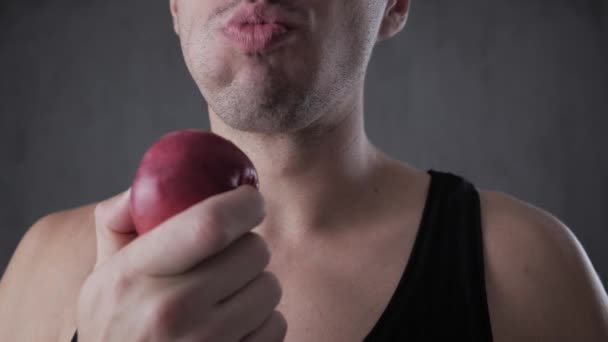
[263,100]
[263,118]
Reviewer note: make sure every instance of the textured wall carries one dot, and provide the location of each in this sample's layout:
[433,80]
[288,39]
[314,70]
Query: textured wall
[510,94]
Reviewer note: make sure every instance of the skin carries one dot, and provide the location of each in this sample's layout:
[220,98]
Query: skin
[310,135]
[298,114]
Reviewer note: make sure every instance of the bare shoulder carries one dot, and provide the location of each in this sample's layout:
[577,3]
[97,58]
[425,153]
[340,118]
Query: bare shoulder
[541,284]
[44,276]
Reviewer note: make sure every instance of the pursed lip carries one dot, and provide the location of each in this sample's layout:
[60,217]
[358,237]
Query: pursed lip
[262,14]
[260,27]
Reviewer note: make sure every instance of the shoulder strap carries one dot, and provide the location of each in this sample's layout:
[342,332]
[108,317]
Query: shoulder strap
[442,292]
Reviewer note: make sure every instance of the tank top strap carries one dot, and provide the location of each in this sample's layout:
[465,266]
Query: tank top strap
[441,294]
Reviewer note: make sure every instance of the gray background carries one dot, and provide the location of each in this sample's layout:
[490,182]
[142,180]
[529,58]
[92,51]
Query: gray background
[510,94]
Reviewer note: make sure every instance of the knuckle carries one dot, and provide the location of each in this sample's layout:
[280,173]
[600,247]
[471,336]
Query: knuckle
[280,325]
[251,204]
[273,329]
[260,249]
[272,285]
[255,208]
[211,231]
[162,316]
[257,205]
[121,283]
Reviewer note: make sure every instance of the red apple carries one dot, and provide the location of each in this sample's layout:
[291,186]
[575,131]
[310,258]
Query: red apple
[181,169]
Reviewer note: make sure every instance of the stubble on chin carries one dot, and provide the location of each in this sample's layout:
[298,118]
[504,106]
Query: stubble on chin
[268,105]
[259,98]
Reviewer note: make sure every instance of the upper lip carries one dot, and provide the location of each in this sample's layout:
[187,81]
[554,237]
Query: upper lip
[261,14]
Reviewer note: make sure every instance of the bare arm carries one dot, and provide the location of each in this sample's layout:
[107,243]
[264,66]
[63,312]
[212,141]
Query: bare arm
[541,283]
[40,286]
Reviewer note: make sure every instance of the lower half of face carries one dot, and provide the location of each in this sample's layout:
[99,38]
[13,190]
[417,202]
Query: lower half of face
[281,81]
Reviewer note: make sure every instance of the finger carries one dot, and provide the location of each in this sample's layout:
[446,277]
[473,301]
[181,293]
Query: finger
[197,233]
[113,226]
[218,278]
[236,266]
[249,307]
[273,329]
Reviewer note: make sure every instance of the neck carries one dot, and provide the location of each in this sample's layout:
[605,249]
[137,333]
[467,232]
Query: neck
[310,179]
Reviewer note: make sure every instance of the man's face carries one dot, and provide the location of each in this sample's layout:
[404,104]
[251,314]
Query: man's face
[318,68]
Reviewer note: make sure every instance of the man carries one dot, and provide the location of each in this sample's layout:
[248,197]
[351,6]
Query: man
[341,243]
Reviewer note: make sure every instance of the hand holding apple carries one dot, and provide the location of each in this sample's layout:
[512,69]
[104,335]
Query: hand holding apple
[199,274]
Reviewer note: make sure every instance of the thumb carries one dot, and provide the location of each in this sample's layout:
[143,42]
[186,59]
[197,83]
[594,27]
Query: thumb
[113,225]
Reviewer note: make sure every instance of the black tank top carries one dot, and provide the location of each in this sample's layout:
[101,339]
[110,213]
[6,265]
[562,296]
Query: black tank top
[441,295]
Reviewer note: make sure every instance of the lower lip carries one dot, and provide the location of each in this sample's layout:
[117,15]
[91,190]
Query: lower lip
[252,38]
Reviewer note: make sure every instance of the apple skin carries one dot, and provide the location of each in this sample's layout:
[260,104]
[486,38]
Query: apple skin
[181,169]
